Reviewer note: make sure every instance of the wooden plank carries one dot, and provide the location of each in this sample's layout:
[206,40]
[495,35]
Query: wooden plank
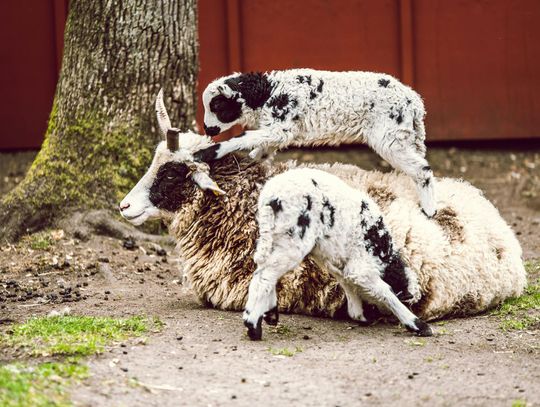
[406,41]
[234,35]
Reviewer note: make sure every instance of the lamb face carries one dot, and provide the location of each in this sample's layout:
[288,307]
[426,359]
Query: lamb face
[232,99]
[173,176]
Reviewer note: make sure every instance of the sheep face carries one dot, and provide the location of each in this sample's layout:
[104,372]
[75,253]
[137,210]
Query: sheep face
[166,186]
[173,177]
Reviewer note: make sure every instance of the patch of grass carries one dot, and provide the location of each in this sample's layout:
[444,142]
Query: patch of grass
[41,385]
[519,403]
[285,351]
[416,342]
[281,330]
[39,241]
[523,312]
[74,335]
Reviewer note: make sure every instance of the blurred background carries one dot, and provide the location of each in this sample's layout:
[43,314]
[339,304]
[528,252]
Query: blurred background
[475,62]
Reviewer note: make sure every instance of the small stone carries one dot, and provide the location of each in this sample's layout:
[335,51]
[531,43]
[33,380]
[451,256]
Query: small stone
[233,397]
[103,259]
[180,367]
[242,380]
[124,369]
[306,337]
[107,292]
[179,338]
[129,244]
[410,376]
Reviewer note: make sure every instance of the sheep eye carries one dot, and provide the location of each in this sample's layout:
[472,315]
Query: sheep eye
[170,176]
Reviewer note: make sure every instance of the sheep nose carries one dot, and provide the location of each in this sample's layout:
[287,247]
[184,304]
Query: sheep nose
[123,207]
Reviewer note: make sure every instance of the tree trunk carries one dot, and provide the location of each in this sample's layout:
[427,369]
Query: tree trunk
[102,128]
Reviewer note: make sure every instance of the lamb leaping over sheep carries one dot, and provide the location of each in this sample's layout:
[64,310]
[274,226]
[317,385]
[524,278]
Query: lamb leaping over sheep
[309,107]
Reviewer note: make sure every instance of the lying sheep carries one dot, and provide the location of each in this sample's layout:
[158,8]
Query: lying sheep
[309,107]
[466,258]
[308,211]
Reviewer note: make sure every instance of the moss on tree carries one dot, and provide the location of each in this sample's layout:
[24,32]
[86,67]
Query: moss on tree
[101,131]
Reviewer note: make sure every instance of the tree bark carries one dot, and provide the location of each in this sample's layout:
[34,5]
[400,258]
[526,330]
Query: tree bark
[102,128]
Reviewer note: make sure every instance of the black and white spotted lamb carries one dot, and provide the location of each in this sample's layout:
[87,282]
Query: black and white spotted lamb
[307,211]
[309,107]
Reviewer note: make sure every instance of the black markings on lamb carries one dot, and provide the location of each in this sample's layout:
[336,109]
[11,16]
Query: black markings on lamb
[399,118]
[254,87]
[303,222]
[207,154]
[281,105]
[327,206]
[383,83]
[314,182]
[309,202]
[304,78]
[226,109]
[276,206]
[379,243]
[371,106]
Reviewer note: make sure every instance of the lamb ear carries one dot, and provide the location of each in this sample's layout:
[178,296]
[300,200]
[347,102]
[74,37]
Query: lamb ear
[225,90]
[204,182]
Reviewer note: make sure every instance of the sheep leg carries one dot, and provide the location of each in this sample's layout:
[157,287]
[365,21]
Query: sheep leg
[258,140]
[262,297]
[395,147]
[373,286]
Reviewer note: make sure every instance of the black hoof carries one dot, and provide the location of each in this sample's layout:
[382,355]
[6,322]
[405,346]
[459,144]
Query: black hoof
[427,216]
[254,333]
[422,329]
[271,317]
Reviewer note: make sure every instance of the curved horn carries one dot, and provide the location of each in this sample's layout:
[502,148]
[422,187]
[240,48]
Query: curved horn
[162,116]
[172,139]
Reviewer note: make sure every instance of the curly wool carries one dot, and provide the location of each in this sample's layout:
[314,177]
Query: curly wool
[467,258]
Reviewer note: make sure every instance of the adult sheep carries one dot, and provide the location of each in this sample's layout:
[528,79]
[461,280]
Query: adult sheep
[467,258]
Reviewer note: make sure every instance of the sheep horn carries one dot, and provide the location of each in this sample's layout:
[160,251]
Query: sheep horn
[172,139]
[162,116]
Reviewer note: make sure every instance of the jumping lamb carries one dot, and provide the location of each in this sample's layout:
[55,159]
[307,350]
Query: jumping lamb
[308,211]
[466,259]
[309,107]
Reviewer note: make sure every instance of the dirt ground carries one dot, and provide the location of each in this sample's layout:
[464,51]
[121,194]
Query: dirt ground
[202,356]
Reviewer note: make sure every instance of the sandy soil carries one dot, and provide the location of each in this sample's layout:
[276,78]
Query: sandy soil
[203,358]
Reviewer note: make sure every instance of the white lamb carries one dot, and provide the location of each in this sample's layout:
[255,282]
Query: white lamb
[309,107]
[308,211]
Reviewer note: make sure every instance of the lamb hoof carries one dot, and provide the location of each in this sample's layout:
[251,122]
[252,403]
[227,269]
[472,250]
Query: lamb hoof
[422,329]
[272,316]
[254,332]
[429,216]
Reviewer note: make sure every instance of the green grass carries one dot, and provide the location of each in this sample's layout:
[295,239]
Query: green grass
[39,241]
[41,385]
[285,351]
[520,313]
[74,335]
[519,403]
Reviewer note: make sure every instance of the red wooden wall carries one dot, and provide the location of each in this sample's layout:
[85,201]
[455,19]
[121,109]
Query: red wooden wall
[475,62]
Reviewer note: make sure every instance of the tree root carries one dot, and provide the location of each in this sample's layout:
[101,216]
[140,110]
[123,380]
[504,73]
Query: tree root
[102,222]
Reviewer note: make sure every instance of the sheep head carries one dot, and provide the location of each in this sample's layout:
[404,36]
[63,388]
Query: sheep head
[174,175]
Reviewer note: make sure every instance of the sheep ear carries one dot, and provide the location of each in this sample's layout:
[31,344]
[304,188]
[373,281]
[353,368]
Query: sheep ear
[225,90]
[204,182]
